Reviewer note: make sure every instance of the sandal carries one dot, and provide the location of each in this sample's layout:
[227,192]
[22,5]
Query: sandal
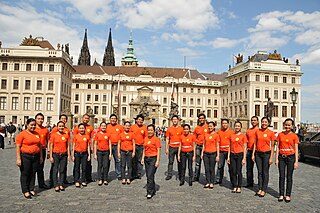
[287,199]
[84,184]
[78,185]
[234,190]
[258,193]
[27,195]
[238,190]
[128,182]
[33,193]
[105,183]
[206,186]
[280,199]
[57,189]
[262,194]
[123,181]
[62,188]
[211,186]
[100,183]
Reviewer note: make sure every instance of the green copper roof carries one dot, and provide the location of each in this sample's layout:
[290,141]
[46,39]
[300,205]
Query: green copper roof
[130,54]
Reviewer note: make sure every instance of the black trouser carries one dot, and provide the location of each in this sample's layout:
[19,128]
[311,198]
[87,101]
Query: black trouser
[184,157]
[136,162]
[236,169]
[262,161]
[103,164]
[126,161]
[81,158]
[40,172]
[198,161]
[117,160]
[286,162]
[250,165]
[151,169]
[59,164]
[220,171]
[29,167]
[89,169]
[173,152]
[209,159]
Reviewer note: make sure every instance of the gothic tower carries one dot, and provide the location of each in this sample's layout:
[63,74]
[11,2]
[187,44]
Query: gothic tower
[84,57]
[108,57]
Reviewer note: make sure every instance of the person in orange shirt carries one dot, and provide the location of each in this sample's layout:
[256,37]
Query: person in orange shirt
[44,136]
[237,156]
[59,155]
[199,132]
[263,151]
[225,137]
[80,154]
[90,132]
[140,133]
[287,158]
[251,136]
[187,152]
[114,130]
[210,154]
[29,156]
[151,159]
[126,151]
[102,153]
[173,140]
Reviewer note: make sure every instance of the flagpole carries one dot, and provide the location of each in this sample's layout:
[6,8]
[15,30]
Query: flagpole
[119,98]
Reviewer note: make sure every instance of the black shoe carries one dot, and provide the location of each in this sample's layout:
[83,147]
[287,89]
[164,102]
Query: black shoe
[248,185]
[119,178]
[44,186]
[190,183]
[90,180]
[168,177]
[218,182]
[181,183]
[27,196]
[66,182]
[195,179]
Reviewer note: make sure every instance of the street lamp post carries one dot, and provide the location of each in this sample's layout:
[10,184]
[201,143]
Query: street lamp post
[294,95]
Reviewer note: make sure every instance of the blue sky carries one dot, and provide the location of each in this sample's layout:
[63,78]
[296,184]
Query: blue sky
[207,32]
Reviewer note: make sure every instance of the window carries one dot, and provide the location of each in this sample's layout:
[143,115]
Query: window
[77,86]
[164,100]
[15,84]
[97,86]
[266,78]
[38,105]
[191,101]
[275,111]
[284,95]
[209,101]
[124,110]
[26,103]
[199,90]
[28,67]
[257,110]
[245,110]
[16,66]
[50,104]
[191,113]
[184,112]
[275,94]
[215,113]
[275,125]
[257,77]
[4,66]
[236,81]
[164,111]
[240,95]
[231,96]
[198,101]
[2,119]
[3,103]
[266,93]
[165,89]
[124,87]
[51,67]
[3,84]
[275,79]
[184,100]
[76,109]
[96,98]
[231,111]
[293,80]
[15,119]
[215,91]
[15,103]
[235,96]
[96,110]
[246,94]
[76,97]
[191,90]
[40,67]
[209,91]
[39,85]
[50,85]
[215,102]
[231,83]
[104,110]
[104,98]
[257,93]
[245,78]
[124,99]
[184,89]
[88,97]
[284,111]
[209,113]
[284,80]
[89,86]
[198,111]
[240,80]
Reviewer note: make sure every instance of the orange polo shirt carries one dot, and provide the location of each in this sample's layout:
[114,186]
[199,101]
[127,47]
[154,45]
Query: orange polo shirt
[174,134]
[81,142]
[59,142]
[211,142]
[44,136]
[66,130]
[251,136]
[102,139]
[225,136]
[139,133]
[187,142]
[264,139]
[237,142]
[114,133]
[200,132]
[126,141]
[30,142]
[287,143]
[151,146]
[89,131]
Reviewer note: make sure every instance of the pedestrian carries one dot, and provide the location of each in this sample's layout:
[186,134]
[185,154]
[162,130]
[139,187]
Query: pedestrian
[237,156]
[187,153]
[2,135]
[210,154]
[151,159]
[286,158]
[59,155]
[80,155]
[262,154]
[126,151]
[29,156]
[102,153]
[11,129]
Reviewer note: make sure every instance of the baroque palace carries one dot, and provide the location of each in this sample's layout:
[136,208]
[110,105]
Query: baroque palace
[36,77]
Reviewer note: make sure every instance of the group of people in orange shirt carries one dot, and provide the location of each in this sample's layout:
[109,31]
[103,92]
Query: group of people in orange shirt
[133,146]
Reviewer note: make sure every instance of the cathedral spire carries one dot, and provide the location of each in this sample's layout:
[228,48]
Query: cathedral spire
[84,57]
[108,57]
[130,59]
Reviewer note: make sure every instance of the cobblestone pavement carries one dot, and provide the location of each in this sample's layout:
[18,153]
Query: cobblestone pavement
[170,196]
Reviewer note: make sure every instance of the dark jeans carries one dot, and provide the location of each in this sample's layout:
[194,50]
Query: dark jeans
[136,162]
[198,161]
[126,161]
[209,159]
[173,152]
[40,172]
[250,165]
[103,164]
[89,169]
[286,163]
[262,161]
[236,169]
[150,173]
[220,171]
[117,161]
[29,167]
[81,159]
[59,164]
[184,157]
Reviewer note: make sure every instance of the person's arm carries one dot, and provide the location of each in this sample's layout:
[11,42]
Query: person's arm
[158,158]
[119,144]
[296,153]
[95,144]
[73,147]
[18,154]
[110,148]
[134,148]
[244,160]
[167,145]
[89,149]
[143,154]
[194,151]
[51,152]
[218,151]
[272,152]
[254,150]
[203,146]
[68,148]
[228,159]
[179,151]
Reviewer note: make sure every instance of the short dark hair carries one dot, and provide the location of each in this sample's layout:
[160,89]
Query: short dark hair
[184,125]
[81,124]
[86,114]
[60,116]
[290,119]
[174,116]
[213,123]
[139,116]
[238,122]
[103,122]
[126,122]
[113,115]
[255,117]
[39,114]
[201,114]
[153,126]
[265,118]
[224,119]
[29,120]
[60,122]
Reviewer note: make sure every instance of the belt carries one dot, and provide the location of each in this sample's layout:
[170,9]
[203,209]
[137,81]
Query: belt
[286,150]
[224,146]
[284,156]
[172,143]
[186,147]
[30,154]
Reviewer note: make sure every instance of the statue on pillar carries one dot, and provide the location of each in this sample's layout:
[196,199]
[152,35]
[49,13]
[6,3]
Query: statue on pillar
[269,110]
[174,109]
[91,115]
[144,110]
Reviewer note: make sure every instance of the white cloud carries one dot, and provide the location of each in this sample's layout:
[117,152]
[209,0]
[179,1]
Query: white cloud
[310,103]
[265,41]
[309,57]
[189,52]
[224,43]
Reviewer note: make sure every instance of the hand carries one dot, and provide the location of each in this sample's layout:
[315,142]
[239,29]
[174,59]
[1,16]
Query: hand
[110,157]
[194,158]
[157,164]
[270,161]
[41,160]
[142,161]
[133,154]
[201,156]
[276,162]
[178,158]
[119,155]
[167,151]
[48,155]
[228,160]
[95,157]
[244,161]
[68,158]
[217,159]
[72,158]
[18,162]
[295,165]
[253,158]
[88,158]
[51,160]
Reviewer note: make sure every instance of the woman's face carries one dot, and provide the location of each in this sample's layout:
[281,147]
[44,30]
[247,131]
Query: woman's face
[82,129]
[186,130]
[264,123]
[211,127]
[237,127]
[127,127]
[288,126]
[150,131]
[61,127]
[103,127]
[31,126]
